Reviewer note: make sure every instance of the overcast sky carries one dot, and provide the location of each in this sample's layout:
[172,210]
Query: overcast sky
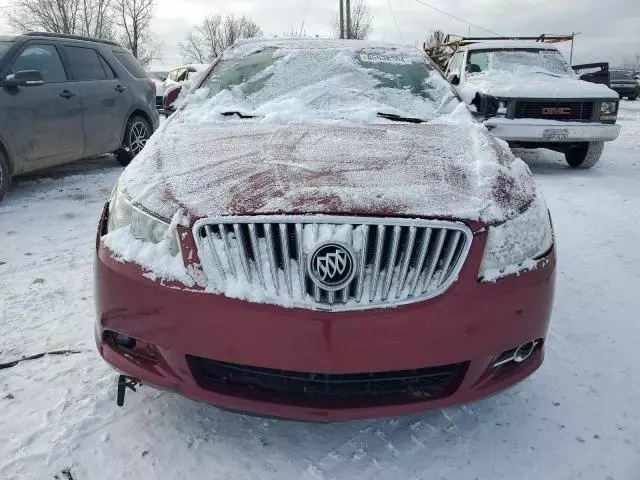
[610,29]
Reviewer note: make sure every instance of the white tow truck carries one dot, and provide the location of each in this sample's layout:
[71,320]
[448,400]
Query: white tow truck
[527,94]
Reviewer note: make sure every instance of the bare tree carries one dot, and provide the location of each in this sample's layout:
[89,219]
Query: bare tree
[62,16]
[98,19]
[135,17]
[361,21]
[210,39]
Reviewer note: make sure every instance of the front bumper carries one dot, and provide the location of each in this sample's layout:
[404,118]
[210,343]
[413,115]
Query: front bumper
[472,323]
[532,130]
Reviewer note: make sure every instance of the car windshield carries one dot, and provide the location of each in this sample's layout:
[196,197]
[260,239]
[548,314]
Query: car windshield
[4,47]
[519,61]
[336,83]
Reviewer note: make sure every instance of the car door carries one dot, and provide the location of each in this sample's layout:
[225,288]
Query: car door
[106,99]
[44,123]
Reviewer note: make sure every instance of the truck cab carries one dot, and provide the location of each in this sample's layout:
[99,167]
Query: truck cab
[541,101]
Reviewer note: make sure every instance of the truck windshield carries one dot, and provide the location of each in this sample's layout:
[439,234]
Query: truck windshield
[4,47]
[331,82]
[519,61]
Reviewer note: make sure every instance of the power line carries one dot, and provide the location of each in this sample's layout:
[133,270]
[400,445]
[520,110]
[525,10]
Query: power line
[306,10]
[457,18]
[393,14]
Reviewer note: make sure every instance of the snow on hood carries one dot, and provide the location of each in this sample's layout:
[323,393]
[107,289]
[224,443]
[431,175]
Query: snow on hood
[448,168]
[532,83]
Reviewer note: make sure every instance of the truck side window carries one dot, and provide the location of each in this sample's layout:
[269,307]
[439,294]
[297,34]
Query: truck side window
[455,66]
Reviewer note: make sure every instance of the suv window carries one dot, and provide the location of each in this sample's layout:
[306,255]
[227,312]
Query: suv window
[43,58]
[85,63]
[130,63]
[107,68]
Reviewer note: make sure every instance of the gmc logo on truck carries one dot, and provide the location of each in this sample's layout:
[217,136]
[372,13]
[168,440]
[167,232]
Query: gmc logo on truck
[556,111]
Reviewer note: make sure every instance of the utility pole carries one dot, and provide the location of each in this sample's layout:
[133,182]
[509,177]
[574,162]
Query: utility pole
[341,18]
[573,36]
[348,8]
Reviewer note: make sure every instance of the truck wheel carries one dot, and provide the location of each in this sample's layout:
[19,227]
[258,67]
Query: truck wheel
[136,135]
[5,176]
[586,155]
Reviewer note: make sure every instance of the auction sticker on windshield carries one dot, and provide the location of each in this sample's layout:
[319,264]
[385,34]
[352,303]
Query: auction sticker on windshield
[379,58]
[555,134]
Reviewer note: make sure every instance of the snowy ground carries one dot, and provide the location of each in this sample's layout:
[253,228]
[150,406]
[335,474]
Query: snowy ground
[577,418]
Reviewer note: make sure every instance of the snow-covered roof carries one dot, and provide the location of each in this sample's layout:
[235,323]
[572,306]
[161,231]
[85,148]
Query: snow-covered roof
[504,44]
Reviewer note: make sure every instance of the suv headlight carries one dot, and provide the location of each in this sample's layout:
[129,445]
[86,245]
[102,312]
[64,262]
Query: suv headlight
[517,244]
[142,224]
[608,110]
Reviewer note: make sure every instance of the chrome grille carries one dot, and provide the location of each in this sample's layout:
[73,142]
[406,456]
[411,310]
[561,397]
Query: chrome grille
[265,258]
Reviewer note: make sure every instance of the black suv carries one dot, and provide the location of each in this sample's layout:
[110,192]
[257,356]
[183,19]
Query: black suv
[65,97]
[623,82]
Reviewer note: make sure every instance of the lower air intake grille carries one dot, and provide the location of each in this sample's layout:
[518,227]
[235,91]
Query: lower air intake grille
[333,263]
[327,390]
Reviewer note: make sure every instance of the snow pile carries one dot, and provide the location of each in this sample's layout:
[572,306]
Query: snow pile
[531,83]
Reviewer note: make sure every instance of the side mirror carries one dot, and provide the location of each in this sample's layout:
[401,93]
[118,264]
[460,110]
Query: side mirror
[486,105]
[454,79]
[23,78]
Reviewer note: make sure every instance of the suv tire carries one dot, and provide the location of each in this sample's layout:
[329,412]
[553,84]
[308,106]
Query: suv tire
[136,135]
[633,97]
[5,176]
[586,155]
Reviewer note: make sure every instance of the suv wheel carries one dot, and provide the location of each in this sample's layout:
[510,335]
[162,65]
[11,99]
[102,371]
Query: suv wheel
[585,155]
[5,176]
[136,135]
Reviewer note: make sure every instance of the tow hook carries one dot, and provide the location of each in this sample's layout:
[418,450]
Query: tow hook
[125,382]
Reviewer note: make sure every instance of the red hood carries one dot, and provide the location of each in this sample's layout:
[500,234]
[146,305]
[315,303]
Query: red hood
[239,167]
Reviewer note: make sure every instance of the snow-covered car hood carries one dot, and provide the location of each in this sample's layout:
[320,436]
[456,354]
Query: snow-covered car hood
[442,169]
[533,85]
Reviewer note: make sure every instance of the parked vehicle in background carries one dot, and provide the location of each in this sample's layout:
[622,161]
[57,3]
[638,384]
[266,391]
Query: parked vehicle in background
[162,75]
[326,233]
[159,86]
[185,74]
[540,103]
[64,98]
[624,84]
[171,94]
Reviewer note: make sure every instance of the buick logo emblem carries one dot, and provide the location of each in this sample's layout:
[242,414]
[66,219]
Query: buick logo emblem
[332,266]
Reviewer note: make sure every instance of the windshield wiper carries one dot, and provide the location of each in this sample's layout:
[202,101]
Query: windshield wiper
[399,118]
[239,114]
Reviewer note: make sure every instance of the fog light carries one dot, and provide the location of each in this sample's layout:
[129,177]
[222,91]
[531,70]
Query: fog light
[123,340]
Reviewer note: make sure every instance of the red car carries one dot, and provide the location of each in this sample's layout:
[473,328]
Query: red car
[322,231]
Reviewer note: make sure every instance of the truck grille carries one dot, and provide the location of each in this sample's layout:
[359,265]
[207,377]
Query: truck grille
[324,390]
[394,261]
[554,110]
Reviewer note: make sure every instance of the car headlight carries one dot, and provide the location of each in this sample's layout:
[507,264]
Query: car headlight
[142,224]
[517,244]
[608,108]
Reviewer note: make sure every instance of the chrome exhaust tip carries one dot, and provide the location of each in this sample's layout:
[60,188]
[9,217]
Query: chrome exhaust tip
[516,355]
[523,352]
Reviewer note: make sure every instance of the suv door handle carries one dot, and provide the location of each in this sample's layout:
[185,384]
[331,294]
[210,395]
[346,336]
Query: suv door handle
[120,88]
[67,94]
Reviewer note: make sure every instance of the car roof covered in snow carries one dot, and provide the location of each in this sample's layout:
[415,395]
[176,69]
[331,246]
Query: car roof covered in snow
[509,44]
[7,38]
